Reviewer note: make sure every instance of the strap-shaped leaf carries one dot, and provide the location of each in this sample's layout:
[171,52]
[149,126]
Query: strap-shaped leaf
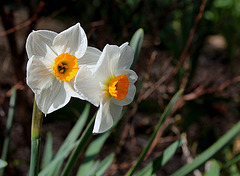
[48,151]
[104,165]
[208,153]
[136,44]
[90,165]
[8,127]
[82,143]
[67,145]
[160,161]
[92,151]
[162,119]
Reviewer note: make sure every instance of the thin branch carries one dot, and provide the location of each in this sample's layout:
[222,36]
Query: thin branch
[26,23]
[190,38]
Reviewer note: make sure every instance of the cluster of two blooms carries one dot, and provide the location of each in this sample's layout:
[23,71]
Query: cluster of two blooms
[62,66]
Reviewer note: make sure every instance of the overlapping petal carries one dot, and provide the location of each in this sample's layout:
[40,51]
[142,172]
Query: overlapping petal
[69,88]
[126,58]
[87,87]
[115,110]
[105,65]
[73,41]
[39,75]
[103,119]
[39,43]
[90,58]
[132,76]
[108,112]
[52,98]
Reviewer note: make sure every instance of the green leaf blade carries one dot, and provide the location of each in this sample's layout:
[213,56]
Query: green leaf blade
[104,165]
[82,142]
[208,153]
[136,44]
[92,151]
[10,118]
[160,161]
[48,151]
[162,119]
[67,146]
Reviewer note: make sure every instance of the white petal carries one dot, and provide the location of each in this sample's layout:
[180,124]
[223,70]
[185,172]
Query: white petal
[39,74]
[126,58]
[69,87]
[129,97]
[106,63]
[61,100]
[73,41]
[52,98]
[87,87]
[103,119]
[115,110]
[90,58]
[132,76]
[39,43]
[124,45]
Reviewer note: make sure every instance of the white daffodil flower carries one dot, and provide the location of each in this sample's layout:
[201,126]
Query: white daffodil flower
[53,63]
[110,85]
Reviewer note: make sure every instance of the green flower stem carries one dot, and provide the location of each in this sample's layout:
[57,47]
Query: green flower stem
[8,126]
[37,118]
[83,141]
[164,116]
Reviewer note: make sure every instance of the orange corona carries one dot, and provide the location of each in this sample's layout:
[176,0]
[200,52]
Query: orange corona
[65,66]
[118,87]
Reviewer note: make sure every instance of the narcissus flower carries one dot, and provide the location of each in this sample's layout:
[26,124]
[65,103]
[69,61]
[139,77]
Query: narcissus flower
[110,85]
[53,63]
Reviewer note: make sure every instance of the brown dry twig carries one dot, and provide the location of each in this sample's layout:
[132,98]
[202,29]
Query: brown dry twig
[190,38]
[26,23]
[187,154]
[202,89]
[18,86]
[158,136]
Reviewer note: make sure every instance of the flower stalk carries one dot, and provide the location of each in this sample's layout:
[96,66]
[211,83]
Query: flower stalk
[37,118]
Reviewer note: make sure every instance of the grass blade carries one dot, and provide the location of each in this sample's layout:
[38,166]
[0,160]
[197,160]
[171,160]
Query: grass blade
[136,44]
[233,161]
[160,161]
[8,126]
[163,117]
[83,141]
[208,153]
[57,159]
[48,151]
[89,165]
[104,165]
[92,151]
[67,145]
